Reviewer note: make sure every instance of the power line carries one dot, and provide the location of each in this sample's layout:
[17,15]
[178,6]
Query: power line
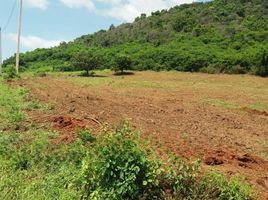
[10,15]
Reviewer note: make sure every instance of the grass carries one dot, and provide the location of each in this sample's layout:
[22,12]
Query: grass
[30,167]
[227,91]
[11,105]
[221,103]
[236,106]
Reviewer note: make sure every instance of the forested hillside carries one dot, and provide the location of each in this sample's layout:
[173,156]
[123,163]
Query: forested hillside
[221,36]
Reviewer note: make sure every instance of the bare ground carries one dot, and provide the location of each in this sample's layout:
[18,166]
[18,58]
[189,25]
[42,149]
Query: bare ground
[195,116]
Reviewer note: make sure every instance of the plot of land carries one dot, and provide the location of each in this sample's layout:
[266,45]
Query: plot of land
[221,119]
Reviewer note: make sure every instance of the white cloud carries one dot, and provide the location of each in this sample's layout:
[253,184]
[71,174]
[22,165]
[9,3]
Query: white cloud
[110,1]
[79,4]
[33,42]
[41,4]
[128,10]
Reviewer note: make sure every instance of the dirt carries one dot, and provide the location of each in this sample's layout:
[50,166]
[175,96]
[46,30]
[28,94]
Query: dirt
[68,124]
[177,121]
[257,112]
[243,160]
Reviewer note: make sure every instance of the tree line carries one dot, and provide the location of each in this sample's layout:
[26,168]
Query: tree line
[214,37]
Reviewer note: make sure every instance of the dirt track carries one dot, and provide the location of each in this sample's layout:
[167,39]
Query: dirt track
[234,140]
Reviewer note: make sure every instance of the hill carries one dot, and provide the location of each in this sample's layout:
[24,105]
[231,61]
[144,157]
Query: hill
[215,37]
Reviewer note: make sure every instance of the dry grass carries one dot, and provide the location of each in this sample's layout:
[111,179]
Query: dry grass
[227,91]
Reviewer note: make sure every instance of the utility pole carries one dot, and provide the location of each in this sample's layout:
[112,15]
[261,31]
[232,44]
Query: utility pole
[0,51]
[18,42]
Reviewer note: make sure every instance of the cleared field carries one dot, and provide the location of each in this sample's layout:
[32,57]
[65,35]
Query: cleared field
[221,119]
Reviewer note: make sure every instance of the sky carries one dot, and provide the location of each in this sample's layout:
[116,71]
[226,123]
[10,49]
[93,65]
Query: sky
[46,23]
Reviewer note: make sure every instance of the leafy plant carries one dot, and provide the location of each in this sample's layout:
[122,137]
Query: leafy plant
[40,73]
[86,61]
[262,68]
[10,73]
[221,188]
[181,178]
[86,136]
[118,168]
[123,62]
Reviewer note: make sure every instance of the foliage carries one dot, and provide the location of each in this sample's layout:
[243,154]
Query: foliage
[123,62]
[118,168]
[181,178]
[221,188]
[86,61]
[216,37]
[10,73]
[262,69]
[40,73]
[86,136]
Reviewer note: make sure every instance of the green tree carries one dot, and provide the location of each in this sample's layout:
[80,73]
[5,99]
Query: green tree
[86,61]
[122,62]
[262,69]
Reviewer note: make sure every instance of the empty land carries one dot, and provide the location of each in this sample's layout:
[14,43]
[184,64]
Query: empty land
[221,119]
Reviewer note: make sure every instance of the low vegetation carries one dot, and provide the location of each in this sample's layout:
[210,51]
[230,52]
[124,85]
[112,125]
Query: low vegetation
[116,164]
[10,73]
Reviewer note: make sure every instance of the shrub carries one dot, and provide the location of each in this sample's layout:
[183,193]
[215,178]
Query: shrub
[211,69]
[221,188]
[262,68]
[63,67]
[119,169]
[86,136]
[40,73]
[181,178]
[237,69]
[10,73]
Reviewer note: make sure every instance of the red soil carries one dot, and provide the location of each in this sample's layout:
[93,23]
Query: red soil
[176,121]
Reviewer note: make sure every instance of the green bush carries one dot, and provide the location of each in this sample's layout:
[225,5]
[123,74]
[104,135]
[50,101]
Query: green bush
[122,62]
[262,68]
[86,136]
[181,178]
[118,168]
[40,73]
[211,69]
[221,188]
[10,72]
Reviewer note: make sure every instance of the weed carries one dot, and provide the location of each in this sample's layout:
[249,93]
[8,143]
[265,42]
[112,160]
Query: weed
[40,74]
[33,105]
[86,136]
[10,73]
[49,106]
[11,105]
[118,168]
[222,188]
[185,137]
